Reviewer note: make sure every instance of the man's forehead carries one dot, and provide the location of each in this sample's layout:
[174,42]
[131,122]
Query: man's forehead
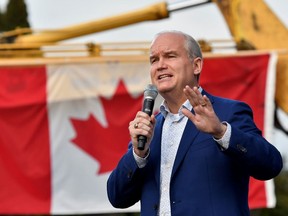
[166,43]
[160,49]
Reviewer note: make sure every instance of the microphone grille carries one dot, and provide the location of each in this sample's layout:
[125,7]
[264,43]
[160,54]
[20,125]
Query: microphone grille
[151,91]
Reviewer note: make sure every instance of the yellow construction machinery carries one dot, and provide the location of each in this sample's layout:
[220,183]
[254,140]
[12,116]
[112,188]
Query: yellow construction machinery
[253,22]
[253,26]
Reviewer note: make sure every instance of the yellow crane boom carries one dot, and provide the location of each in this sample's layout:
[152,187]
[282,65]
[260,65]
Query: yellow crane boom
[153,12]
[255,22]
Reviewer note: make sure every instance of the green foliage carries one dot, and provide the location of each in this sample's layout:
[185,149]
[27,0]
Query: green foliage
[2,25]
[15,16]
[281,190]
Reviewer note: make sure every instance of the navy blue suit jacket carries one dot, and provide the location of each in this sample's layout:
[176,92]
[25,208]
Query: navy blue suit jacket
[205,179]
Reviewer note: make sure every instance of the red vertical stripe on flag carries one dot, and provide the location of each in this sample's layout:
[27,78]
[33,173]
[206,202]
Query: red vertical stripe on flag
[241,78]
[24,141]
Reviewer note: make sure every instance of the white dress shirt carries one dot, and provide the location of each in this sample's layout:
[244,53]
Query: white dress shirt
[173,129]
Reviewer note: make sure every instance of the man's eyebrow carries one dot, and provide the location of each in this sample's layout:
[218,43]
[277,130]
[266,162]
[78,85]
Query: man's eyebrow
[165,52]
[170,52]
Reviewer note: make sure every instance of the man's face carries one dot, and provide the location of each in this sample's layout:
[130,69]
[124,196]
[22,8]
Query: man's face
[171,68]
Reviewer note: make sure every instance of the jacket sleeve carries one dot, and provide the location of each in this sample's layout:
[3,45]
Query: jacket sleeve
[249,148]
[124,183]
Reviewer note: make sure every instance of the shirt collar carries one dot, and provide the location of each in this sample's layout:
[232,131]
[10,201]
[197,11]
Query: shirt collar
[165,110]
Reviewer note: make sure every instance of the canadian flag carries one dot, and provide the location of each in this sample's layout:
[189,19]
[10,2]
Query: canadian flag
[64,126]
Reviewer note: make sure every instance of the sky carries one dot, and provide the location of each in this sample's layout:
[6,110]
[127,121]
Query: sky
[202,22]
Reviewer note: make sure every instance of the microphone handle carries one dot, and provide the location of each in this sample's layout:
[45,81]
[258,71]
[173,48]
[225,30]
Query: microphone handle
[141,142]
[147,108]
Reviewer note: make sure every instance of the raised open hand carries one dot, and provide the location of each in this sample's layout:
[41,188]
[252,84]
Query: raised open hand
[204,117]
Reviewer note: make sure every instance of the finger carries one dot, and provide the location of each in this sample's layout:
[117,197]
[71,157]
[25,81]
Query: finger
[143,124]
[190,95]
[141,117]
[194,96]
[187,113]
[141,114]
[190,116]
[153,120]
[203,100]
[206,102]
[140,126]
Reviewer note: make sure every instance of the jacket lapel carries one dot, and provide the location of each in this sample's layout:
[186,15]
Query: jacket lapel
[188,137]
[156,147]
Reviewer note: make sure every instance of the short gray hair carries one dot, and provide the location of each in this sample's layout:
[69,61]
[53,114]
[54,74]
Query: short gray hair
[191,45]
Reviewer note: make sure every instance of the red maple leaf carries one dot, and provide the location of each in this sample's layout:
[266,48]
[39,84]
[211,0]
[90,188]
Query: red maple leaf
[107,145]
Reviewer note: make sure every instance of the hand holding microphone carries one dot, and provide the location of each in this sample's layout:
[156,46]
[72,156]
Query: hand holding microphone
[150,94]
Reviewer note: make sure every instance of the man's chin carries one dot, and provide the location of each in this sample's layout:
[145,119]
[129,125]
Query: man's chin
[164,90]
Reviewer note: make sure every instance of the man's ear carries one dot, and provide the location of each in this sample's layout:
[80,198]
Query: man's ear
[198,63]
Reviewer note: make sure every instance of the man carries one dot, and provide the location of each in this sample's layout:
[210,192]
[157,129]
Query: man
[200,150]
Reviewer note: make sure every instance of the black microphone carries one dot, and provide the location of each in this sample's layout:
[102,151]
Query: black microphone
[150,93]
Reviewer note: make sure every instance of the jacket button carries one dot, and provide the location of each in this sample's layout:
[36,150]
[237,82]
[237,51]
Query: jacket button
[129,174]
[241,148]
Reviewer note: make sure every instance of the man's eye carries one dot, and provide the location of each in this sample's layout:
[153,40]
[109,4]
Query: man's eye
[152,61]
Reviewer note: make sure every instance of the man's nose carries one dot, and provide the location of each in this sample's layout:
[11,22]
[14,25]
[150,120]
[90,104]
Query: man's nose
[161,63]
